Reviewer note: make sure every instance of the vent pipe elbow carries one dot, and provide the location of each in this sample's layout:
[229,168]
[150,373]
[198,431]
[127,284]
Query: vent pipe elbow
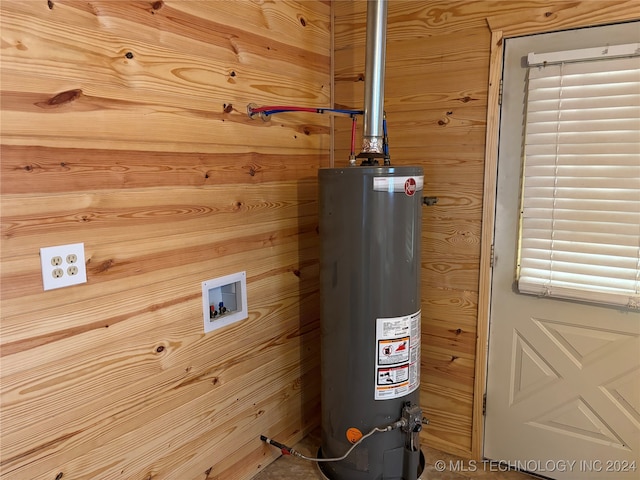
[373,135]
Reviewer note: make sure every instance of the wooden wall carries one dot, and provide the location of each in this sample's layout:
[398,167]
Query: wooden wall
[124,126]
[437,84]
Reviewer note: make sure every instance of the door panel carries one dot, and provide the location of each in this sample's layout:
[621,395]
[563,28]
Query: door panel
[563,380]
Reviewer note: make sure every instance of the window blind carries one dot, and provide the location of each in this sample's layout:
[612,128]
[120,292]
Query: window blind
[580,212]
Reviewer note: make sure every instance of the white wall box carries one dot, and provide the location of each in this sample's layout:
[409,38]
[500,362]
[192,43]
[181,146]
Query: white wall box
[224,301]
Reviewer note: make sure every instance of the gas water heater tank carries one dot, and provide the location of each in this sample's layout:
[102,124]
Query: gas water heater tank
[370,225]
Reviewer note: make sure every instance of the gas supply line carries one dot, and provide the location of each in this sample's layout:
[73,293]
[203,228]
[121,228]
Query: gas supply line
[290,451]
[410,423]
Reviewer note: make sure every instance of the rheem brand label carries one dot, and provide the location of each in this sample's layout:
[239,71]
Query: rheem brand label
[410,186]
[407,185]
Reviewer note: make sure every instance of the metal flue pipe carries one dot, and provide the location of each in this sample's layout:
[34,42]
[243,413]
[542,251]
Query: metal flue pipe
[373,136]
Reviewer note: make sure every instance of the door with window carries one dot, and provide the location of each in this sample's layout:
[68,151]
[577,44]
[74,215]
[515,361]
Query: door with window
[563,379]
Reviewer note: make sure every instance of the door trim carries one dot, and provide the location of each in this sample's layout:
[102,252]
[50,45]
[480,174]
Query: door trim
[550,18]
[486,242]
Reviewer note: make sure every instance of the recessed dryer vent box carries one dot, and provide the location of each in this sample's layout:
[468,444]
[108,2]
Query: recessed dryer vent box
[224,301]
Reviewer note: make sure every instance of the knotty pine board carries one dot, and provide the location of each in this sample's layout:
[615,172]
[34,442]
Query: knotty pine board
[152,212]
[33,170]
[450,416]
[544,16]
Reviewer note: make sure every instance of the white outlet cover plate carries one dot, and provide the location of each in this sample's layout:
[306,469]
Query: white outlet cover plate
[65,253]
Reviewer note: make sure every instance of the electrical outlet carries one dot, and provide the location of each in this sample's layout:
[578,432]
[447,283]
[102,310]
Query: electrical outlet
[63,266]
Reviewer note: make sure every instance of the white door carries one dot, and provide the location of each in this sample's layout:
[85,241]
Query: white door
[563,380]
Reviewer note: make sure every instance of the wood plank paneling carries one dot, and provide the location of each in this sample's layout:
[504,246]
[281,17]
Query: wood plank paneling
[34,170]
[125,126]
[542,16]
[118,66]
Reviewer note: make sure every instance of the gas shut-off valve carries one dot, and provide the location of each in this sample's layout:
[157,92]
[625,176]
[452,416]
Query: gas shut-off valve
[412,421]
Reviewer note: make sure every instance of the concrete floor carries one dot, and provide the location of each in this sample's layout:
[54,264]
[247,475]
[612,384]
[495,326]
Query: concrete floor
[439,466]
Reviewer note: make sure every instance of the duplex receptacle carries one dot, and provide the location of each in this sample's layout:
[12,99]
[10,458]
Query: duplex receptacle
[63,266]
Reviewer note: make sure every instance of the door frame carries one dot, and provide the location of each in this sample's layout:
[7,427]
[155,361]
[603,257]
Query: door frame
[548,19]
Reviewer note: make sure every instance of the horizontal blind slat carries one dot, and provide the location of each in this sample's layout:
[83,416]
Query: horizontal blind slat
[584,204]
[596,159]
[586,103]
[594,249]
[584,114]
[586,149]
[564,92]
[584,171]
[539,252]
[559,267]
[576,126]
[584,138]
[622,236]
[622,194]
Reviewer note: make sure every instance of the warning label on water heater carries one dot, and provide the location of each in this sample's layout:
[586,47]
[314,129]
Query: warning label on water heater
[398,358]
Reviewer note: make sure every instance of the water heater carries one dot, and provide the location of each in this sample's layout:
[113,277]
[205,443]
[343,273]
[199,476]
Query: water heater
[370,225]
